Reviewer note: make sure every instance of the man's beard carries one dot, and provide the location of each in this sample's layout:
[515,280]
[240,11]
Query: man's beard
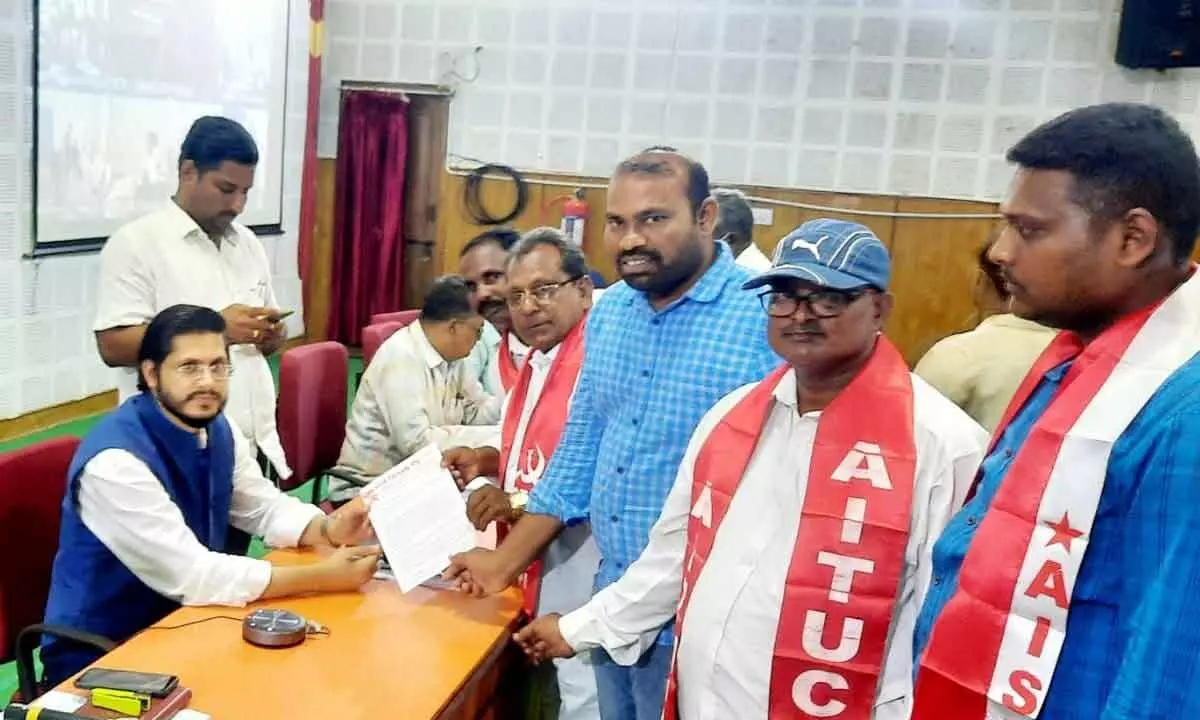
[176,410]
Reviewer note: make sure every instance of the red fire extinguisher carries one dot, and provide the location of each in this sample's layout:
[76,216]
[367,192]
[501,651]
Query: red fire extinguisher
[575,212]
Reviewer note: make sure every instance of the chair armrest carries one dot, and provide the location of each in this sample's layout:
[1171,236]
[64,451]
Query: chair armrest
[350,476]
[31,637]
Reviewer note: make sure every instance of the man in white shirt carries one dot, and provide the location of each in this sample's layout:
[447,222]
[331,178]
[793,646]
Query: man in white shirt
[499,355]
[735,225]
[805,508]
[152,491]
[549,295]
[419,390]
[193,251]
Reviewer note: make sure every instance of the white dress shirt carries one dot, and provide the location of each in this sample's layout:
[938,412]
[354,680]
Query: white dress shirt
[727,641]
[409,397]
[753,259]
[164,259]
[127,508]
[485,358]
[568,563]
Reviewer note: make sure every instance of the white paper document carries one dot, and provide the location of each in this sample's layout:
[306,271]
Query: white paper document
[419,517]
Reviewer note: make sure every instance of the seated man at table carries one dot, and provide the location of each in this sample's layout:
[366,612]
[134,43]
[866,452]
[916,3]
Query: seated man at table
[153,489]
[419,389]
[549,295]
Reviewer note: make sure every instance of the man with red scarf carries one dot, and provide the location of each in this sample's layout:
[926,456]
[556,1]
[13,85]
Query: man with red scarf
[1067,586]
[549,294]
[794,543]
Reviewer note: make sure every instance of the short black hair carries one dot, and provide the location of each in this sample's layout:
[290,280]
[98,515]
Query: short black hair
[213,140]
[1123,156]
[735,219]
[663,160]
[505,237]
[448,298]
[169,324]
[572,260]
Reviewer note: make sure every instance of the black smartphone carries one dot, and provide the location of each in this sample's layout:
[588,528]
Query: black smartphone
[152,684]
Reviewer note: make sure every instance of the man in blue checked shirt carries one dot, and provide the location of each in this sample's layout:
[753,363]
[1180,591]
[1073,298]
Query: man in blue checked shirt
[1066,588]
[662,347]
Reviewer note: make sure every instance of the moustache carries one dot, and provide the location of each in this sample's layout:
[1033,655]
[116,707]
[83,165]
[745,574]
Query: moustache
[804,328]
[651,255]
[205,395]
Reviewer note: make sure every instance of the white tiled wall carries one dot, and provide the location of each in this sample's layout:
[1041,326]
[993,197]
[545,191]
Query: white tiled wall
[47,354]
[916,97]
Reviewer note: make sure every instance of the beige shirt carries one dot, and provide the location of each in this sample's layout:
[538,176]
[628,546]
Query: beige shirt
[980,370]
[409,397]
[164,259]
[725,645]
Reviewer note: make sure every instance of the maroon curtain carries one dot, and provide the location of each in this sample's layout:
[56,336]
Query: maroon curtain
[368,245]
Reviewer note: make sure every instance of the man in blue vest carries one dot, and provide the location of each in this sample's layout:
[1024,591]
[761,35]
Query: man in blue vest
[152,491]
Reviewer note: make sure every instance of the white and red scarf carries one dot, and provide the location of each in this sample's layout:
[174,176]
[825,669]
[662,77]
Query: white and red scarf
[994,648]
[541,432]
[509,372]
[848,561]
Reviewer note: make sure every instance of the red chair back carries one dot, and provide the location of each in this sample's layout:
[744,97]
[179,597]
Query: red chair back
[373,336]
[403,316]
[311,413]
[33,481]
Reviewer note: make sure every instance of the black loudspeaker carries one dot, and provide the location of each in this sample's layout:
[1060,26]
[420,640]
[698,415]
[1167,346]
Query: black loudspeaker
[1159,34]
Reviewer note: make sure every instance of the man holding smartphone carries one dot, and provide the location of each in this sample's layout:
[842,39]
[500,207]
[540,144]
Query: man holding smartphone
[193,251]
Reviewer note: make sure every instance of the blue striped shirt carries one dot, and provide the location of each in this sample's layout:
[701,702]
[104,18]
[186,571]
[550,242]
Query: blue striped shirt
[648,377]
[1132,650]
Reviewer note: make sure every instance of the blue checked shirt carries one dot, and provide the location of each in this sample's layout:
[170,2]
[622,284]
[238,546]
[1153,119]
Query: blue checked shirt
[647,378]
[1132,650]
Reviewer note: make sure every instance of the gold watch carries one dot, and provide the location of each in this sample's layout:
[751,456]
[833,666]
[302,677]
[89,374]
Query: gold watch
[517,501]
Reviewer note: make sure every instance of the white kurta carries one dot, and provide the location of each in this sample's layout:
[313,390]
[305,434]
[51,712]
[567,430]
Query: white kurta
[726,642]
[569,563]
[164,259]
[753,259]
[127,508]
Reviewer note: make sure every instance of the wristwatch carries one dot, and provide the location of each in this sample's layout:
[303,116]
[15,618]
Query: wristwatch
[517,501]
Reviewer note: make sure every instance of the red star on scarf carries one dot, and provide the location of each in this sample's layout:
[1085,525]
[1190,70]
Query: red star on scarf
[1063,533]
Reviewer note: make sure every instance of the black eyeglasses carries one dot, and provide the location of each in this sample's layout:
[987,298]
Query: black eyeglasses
[541,294]
[821,304]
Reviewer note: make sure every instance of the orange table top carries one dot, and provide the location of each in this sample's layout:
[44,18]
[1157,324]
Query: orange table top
[385,650]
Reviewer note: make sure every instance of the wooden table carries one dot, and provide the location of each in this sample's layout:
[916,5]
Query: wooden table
[427,654]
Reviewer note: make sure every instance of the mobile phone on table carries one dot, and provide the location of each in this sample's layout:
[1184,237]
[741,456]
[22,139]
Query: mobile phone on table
[153,684]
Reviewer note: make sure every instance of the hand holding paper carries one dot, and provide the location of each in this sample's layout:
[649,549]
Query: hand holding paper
[419,517]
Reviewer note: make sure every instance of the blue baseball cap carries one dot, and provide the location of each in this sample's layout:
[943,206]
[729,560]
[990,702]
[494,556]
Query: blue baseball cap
[835,254]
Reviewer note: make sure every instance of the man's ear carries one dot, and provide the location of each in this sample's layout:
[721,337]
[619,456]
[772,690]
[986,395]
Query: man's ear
[150,373]
[707,218]
[883,307]
[1141,238]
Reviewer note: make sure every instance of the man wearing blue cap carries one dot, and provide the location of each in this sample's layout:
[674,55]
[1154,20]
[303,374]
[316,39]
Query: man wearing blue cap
[794,543]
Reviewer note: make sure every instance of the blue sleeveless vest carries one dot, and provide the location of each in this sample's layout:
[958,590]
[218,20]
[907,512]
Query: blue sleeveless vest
[91,589]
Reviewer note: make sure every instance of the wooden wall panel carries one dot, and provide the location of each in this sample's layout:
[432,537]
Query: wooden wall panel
[320,274]
[787,218]
[934,272]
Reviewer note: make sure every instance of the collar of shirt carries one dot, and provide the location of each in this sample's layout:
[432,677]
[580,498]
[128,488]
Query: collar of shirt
[516,348]
[1009,320]
[785,394]
[542,360]
[186,226]
[428,352]
[708,288]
